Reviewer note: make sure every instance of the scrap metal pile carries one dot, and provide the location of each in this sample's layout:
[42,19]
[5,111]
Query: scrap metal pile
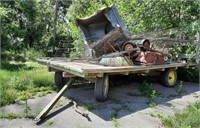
[106,37]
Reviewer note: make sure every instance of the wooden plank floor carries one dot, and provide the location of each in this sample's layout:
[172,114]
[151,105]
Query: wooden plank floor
[84,67]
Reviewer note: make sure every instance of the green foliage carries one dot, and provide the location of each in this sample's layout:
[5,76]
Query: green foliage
[92,107]
[10,116]
[20,81]
[180,88]
[34,24]
[50,122]
[188,118]
[32,54]
[186,49]
[8,96]
[142,16]
[113,118]
[188,74]
[147,90]
[80,9]
[29,25]
[44,93]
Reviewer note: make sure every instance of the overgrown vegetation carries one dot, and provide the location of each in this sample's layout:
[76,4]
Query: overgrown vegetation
[147,90]
[10,116]
[188,118]
[188,74]
[20,81]
[43,25]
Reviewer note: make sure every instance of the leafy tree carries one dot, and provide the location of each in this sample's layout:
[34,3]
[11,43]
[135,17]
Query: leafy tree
[29,24]
[38,24]
[79,9]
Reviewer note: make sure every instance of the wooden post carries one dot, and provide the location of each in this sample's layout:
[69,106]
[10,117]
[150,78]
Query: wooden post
[45,111]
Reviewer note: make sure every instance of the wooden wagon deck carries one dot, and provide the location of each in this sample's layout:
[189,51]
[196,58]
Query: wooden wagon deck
[88,70]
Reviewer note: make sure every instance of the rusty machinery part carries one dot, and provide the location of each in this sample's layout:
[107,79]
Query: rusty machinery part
[128,46]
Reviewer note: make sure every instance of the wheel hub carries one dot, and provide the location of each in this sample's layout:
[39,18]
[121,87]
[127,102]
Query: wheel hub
[171,78]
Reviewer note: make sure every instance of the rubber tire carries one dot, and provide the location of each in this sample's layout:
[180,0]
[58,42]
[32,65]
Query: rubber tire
[101,88]
[164,78]
[59,80]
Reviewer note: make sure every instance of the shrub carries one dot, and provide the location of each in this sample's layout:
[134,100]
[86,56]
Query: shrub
[190,75]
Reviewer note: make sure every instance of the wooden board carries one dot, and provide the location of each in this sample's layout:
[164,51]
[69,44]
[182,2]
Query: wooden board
[83,69]
[46,110]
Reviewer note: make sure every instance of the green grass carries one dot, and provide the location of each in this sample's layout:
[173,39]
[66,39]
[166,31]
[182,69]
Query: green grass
[50,122]
[10,116]
[19,81]
[188,118]
[147,91]
[180,88]
[113,118]
[91,107]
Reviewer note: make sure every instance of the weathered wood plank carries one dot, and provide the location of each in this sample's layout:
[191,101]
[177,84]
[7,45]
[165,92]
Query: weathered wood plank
[83,69]
[45,111]
[133,68]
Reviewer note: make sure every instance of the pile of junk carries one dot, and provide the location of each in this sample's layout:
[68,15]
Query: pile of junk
[109,42]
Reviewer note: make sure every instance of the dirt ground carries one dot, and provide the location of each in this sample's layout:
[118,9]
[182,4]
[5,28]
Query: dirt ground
[125,108]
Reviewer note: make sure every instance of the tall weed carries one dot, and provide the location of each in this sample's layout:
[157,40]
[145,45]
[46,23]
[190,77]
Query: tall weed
[188,118]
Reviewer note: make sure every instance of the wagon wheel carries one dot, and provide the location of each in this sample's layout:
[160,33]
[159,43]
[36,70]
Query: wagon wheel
[101,88]
[128,46]
[59,80]
[169,77]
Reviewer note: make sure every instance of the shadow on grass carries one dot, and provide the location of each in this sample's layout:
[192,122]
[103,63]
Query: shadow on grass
[15,67]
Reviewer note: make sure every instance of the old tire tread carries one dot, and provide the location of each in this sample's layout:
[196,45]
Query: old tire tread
[99,90]
[60,81]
